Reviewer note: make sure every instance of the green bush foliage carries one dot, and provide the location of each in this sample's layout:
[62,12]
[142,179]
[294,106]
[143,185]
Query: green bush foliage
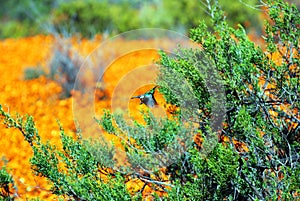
[6,184]
[260,159]
[249,104]
[26,18]
[72,171]
[96,16]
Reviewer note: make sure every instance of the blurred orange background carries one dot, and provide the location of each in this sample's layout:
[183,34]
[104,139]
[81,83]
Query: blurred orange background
[40,98]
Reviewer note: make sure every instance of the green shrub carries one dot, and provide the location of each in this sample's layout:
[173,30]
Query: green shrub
[17,29]
[249,105]
[91,17]
[6,184]
[26,18]
[211,178]
[72,171]
[95,16]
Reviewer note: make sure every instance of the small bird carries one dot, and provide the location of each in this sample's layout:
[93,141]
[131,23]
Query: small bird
[147,98]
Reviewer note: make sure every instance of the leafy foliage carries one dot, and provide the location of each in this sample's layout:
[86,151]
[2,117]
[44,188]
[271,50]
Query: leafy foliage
[211,178]
[261,99]
[72,171]
[6,183]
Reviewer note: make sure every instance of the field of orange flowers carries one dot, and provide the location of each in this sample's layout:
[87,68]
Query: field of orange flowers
[37,97]
[40,98]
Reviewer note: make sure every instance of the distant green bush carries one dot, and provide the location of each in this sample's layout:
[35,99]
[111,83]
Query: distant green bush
[17,29]
[24,18]
[109,16]
[95,16]
[33,72]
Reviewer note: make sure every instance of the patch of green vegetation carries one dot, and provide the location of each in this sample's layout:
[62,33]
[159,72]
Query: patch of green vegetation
[93,16]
